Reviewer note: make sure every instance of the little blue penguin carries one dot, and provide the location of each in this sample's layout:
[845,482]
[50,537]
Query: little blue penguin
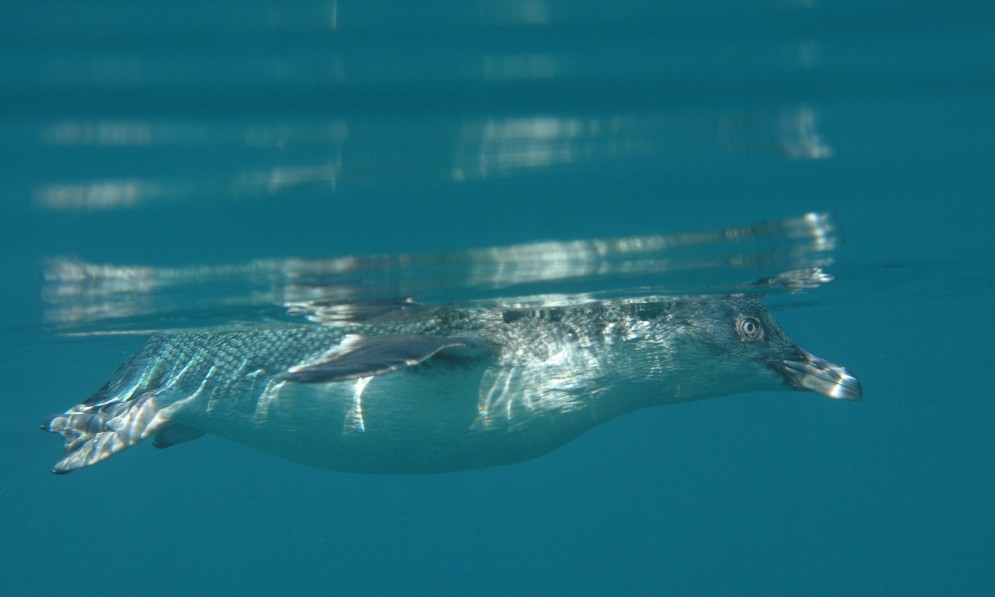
[438,389]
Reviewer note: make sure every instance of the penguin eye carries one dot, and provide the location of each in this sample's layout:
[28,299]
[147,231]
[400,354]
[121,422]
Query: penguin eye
[749,329]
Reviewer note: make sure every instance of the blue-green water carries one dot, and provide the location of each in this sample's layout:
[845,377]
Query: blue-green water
[153,141]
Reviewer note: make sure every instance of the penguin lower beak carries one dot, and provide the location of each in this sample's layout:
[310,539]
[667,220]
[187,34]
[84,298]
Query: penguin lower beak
[805,371]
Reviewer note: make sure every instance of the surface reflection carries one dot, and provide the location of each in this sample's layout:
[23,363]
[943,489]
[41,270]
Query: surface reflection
[763,258]
[327,96]
[510,67]
[791,133]
[284,156]
[506,146]
[520,12]
[111,132]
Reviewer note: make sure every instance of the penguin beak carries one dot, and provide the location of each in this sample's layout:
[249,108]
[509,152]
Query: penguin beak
[805,371]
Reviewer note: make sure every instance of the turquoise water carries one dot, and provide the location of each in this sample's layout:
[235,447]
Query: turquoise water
[174,166]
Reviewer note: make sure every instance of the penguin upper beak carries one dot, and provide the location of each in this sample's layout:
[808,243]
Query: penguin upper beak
[805,371]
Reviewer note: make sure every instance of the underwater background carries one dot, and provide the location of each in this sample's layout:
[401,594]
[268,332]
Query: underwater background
[172,165]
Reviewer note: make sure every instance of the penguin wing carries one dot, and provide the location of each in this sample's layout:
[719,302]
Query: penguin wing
[363,356]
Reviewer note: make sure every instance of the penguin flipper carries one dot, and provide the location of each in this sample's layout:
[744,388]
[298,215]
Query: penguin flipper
[365,356]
